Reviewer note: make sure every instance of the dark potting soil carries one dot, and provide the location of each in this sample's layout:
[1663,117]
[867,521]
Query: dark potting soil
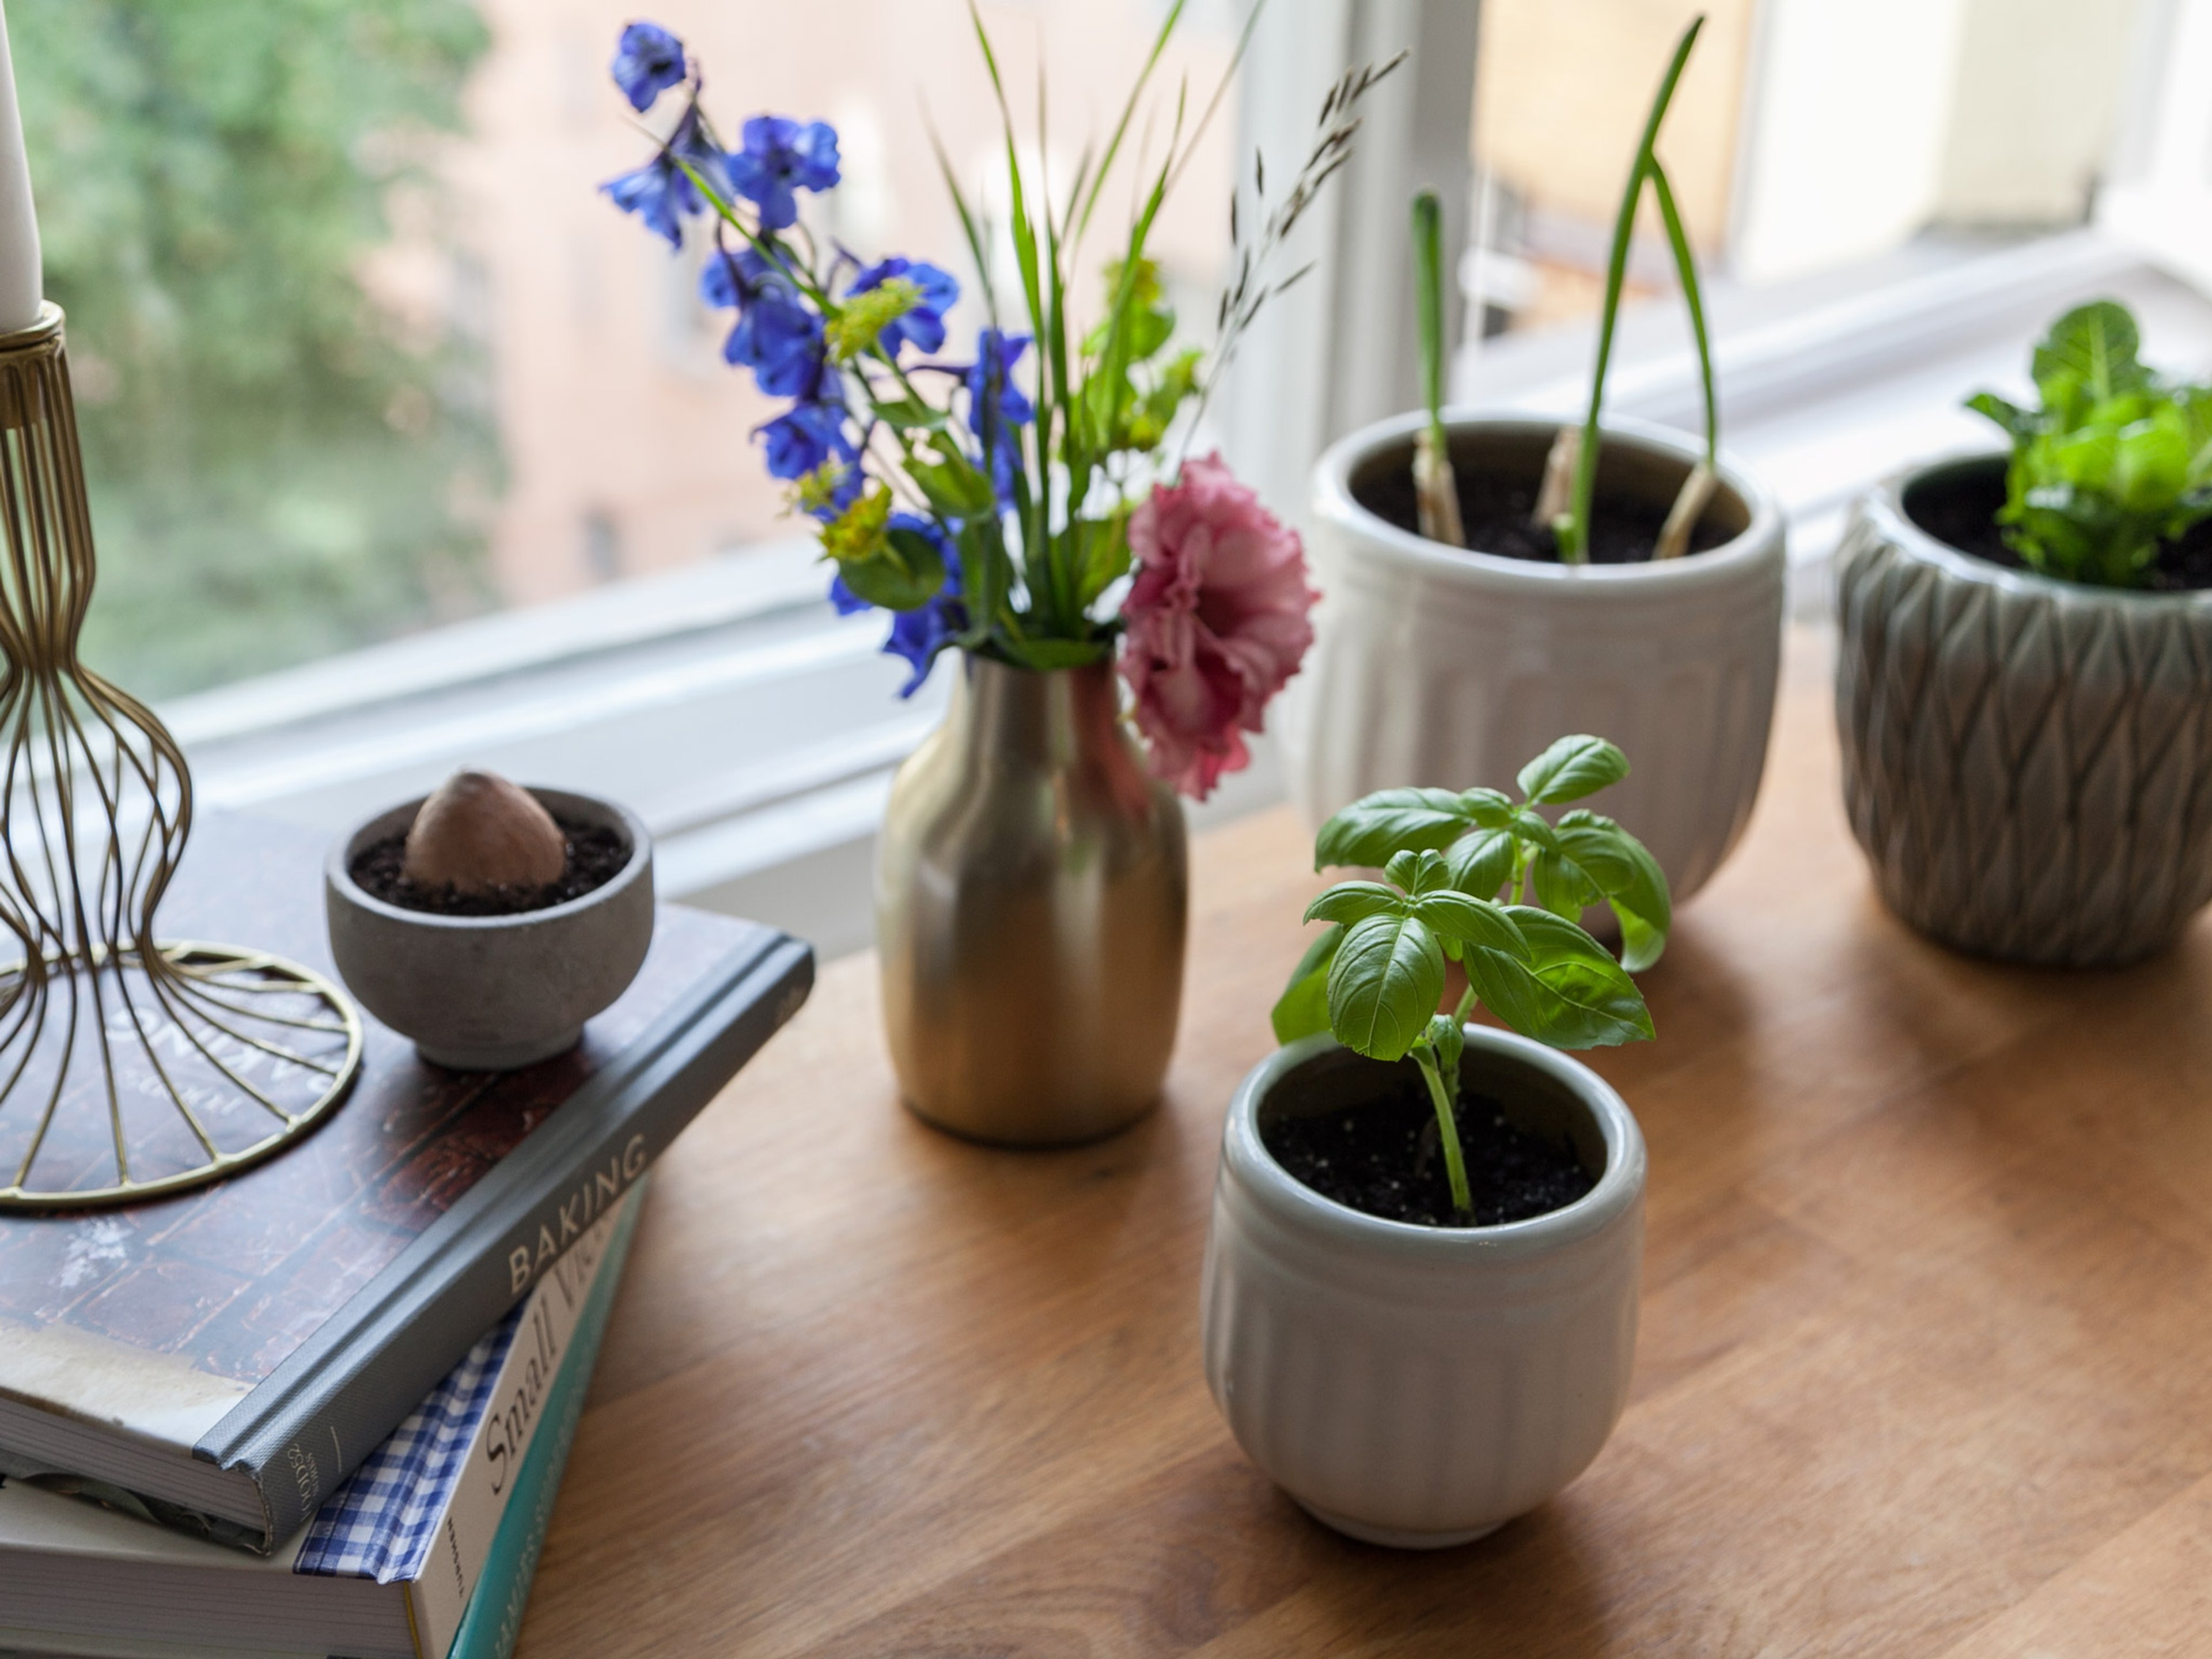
[1386,1158]
[596,856]
[1958,506]
[1494,512]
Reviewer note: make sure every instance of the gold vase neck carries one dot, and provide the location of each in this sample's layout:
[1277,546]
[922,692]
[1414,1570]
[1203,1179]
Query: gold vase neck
[1026,716]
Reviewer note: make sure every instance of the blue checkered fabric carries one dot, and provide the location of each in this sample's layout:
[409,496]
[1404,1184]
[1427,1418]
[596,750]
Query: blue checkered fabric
[381,1522]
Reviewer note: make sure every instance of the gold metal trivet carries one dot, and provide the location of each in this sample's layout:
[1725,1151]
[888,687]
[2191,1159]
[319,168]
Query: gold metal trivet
[129,1066]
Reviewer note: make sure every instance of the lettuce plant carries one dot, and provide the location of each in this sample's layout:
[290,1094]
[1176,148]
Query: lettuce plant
[2115,460]
[1458,868]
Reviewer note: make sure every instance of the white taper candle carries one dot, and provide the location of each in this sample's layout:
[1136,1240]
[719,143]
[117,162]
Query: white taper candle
[21,282]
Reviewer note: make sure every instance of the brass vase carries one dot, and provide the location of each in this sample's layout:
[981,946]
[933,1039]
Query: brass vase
[1031,888]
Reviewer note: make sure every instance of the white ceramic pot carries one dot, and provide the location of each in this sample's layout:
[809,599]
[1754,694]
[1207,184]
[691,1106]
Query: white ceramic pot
[1440,666]
[1421,1386]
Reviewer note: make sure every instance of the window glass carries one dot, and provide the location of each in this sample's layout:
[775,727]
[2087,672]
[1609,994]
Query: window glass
[1806,136]
[360,348]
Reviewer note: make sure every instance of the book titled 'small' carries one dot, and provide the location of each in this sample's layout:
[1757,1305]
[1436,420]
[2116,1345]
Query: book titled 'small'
[225,1358]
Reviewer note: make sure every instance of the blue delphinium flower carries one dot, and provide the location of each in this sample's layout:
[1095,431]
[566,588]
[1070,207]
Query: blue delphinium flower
[996,405]
[924,326]
[778,157]
[804,436]
[990,381]
[778,335]
[919,634]
[660,192]
[648,60]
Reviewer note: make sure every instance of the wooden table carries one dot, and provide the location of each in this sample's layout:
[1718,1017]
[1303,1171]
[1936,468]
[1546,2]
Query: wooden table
[1926,1363]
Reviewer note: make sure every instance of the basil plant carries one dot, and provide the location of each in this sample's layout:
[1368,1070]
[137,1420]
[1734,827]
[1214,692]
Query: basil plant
[1476,878]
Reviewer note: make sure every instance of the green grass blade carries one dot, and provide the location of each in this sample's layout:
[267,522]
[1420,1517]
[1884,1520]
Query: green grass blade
[1686,268]
[1037,521]
[1128,111]
[1574,536]
[1220,91]
[977,249]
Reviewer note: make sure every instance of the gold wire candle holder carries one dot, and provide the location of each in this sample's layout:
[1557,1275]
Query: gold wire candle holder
[131,1066]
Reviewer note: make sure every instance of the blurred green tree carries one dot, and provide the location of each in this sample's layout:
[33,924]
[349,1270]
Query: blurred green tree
[277,470]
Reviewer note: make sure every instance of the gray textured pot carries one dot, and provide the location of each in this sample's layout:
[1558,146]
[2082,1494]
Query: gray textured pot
[2027,762]
[488,993]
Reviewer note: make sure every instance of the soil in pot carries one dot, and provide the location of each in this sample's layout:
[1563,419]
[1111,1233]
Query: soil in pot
[1385,1159]
[1958,505]
[1494,508]
[597,854]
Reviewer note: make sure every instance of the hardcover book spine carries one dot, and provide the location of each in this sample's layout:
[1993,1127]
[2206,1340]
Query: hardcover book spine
[311,1423]
[544,1348]
[495,1615]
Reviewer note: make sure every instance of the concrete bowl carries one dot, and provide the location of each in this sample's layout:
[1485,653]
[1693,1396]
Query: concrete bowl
[489,993]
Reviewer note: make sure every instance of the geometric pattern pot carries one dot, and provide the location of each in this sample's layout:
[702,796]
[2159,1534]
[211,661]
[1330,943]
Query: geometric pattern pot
[2027,763]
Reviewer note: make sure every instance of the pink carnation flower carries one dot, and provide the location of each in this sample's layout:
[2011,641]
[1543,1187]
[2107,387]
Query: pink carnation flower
[1217,622]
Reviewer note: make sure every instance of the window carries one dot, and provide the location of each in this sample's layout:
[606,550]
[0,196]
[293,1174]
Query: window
[363,348]
[397,424]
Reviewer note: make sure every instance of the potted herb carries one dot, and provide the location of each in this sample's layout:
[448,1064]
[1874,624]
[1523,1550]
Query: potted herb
[487,921]
[1614,576]
[1420,1280]
[1024,501]
[2024,684]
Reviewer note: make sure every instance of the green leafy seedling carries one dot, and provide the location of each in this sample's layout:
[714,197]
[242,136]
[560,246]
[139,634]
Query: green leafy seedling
[1456,865]
[2114,462]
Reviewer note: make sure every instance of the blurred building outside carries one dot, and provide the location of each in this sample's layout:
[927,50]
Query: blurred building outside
[628,440]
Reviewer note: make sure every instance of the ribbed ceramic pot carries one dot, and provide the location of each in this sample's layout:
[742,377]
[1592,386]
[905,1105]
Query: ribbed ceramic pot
[2027,762]
[1448,667]
[1032,886]
[1421,1386]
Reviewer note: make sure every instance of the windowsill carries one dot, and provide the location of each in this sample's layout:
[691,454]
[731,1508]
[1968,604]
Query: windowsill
[757,731]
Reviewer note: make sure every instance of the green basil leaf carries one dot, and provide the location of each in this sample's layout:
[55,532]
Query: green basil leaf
[1570,994]
[1371,829]
[1384,985]
[1482,863]
[1535,829]
[1424,871]
[1448,1038]
[1631,879]
[1303,1009]
[1571,768]
[1354,901]
[1563,886]
[1486,809]
[1456,918]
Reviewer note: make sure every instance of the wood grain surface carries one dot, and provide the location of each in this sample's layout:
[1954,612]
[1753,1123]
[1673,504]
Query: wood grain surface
[1926,1369]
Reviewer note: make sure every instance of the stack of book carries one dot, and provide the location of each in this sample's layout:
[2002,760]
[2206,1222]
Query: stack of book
[323,1407]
